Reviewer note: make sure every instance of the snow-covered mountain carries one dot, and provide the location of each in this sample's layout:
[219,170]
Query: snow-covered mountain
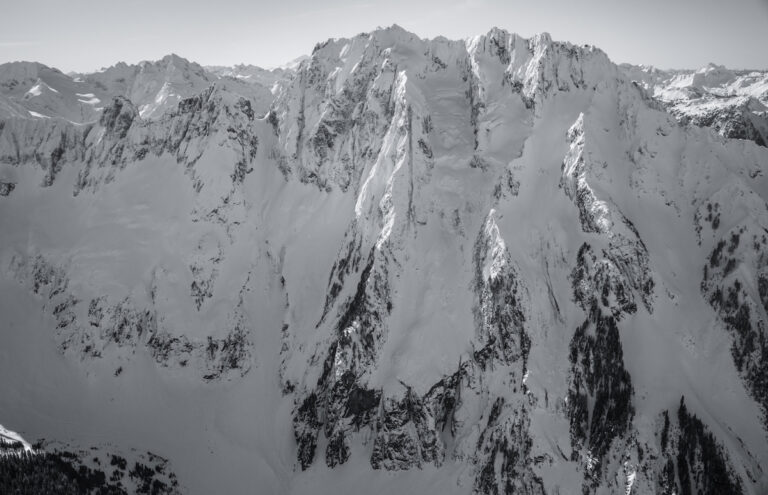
[495,265]
[732,102]
[273,78]
[33,90]
[30,89]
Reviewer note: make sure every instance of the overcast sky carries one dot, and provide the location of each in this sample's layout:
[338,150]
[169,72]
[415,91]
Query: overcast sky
[84,35]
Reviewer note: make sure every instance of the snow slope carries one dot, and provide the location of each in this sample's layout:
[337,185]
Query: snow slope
[33,90]
[484,266]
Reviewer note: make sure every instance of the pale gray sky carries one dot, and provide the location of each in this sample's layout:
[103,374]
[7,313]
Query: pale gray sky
[84,35]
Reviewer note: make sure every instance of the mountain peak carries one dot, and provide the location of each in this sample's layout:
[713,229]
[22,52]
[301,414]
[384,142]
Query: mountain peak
[22,65]
[176,60]
[22,70]
[394,29]
[711,66]
[168,62]
[292,64]
[392,35]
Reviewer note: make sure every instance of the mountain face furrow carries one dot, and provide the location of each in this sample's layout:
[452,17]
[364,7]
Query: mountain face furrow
[497,265]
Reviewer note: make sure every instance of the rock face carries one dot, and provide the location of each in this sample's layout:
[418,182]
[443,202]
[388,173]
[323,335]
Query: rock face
[6,188]
[496,264]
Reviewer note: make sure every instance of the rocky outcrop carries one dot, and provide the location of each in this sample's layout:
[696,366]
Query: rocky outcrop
[413,429]
[692,461]
[600,395]
[49,144]
[340,396]
[735,118]
[607,286]
[115,330]
[406,434]
[735,283]
[6,188]
[499,315]
[503,449]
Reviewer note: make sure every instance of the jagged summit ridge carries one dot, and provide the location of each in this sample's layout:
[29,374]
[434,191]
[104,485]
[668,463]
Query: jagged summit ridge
[345,77]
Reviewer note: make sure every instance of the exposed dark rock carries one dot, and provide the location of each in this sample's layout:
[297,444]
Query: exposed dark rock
[600,394]
[126,325]
[742,315]
[306,427]
[6,188]
[405,435]
[504,453]
[692,461]
[735,121]
[118,116]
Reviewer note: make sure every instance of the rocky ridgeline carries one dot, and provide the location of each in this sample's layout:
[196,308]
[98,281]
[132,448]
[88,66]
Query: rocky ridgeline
[30,90]
[100,151]
[352,96]
[115,330]
[738,118]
